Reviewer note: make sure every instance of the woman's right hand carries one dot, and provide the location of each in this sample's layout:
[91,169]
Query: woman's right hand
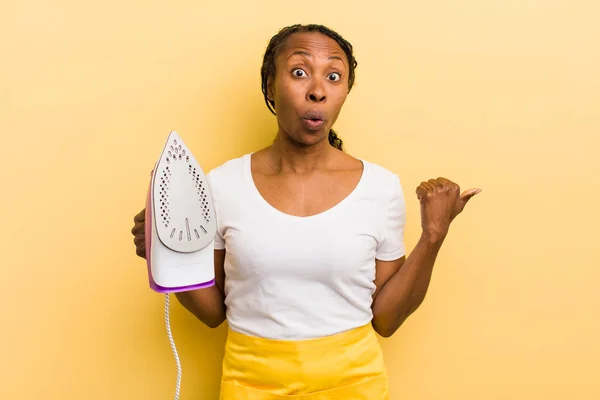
[139,235]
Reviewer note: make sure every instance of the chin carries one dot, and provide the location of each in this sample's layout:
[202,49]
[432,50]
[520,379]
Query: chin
[310,138]
[302,137]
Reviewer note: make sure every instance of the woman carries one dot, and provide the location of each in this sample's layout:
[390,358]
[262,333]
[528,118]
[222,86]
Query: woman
[310,262]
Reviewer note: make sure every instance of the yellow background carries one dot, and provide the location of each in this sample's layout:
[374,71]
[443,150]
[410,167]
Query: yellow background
[501,95]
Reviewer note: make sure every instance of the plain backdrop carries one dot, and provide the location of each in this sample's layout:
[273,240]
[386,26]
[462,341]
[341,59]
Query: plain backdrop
[500,95]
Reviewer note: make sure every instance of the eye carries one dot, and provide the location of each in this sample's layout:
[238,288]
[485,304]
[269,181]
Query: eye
[334,76]
[298,73]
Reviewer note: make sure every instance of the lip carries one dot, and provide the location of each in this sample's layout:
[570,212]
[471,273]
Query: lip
[313,120]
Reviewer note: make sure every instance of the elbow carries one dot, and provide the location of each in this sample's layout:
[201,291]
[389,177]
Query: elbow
[385,333]
[387,322]
[214,323]
[386,326]
[211,320]
[384,329]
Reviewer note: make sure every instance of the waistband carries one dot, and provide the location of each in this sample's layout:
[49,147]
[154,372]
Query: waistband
[341,339]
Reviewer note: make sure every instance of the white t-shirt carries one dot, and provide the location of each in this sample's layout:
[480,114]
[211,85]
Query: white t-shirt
[293,278]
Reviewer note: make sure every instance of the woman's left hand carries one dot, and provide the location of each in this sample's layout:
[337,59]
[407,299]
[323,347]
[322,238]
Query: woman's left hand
[441,201]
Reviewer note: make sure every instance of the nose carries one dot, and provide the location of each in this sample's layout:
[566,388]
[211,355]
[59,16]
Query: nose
[316,93]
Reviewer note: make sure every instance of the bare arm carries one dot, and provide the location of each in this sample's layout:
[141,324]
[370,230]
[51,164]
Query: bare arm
[402,285]
[208,305]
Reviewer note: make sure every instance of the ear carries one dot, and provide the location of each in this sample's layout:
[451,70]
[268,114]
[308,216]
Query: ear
[270,89]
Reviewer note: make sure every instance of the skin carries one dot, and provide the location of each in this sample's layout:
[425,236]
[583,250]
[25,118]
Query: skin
[302,174]
[311,77]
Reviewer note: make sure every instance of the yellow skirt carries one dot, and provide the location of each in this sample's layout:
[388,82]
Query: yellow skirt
[346,366]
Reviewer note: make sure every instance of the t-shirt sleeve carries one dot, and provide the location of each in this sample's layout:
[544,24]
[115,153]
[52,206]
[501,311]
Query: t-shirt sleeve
[391,243]
[219,239]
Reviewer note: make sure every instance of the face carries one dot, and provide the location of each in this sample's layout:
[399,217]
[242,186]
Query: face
[309,87]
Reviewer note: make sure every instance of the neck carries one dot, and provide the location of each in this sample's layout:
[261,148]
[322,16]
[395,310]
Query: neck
[291,157]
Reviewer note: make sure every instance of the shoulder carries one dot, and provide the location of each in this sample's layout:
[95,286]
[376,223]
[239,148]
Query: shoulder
[229,179]
[385,185]
[381,179]
[228,172]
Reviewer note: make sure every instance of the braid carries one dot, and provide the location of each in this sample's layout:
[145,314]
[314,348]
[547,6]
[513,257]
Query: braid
[335,141]
[268,68]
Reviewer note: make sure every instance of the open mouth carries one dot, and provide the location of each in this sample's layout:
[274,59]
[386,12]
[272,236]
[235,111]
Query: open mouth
[313,121]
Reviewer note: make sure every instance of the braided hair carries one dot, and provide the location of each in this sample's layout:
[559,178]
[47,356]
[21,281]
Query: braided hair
[275,44]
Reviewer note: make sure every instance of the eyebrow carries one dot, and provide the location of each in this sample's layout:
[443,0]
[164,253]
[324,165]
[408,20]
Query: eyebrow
[304,53]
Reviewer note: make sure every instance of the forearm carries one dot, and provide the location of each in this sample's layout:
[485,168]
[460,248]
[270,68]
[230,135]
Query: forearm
[404,292]
[208,305]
